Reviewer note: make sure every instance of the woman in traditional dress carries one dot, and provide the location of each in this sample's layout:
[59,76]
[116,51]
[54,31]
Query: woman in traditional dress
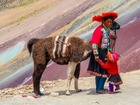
[101,45]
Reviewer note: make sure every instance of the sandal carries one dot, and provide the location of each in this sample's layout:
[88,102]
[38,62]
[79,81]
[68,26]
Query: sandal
[110,92]
[117,88]
[96,91]
[101,92]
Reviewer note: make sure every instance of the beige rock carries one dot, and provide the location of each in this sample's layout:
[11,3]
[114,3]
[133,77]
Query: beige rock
[54,94]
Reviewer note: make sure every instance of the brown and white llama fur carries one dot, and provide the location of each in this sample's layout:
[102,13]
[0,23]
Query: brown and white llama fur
[74,51]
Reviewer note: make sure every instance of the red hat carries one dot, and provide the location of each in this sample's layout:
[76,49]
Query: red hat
[112,56]
[115,56]
[99,18]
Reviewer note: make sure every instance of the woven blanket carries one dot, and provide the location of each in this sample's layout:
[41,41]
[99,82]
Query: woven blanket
[61,47]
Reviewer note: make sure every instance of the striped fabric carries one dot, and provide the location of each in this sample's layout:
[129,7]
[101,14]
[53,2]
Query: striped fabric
[61,47]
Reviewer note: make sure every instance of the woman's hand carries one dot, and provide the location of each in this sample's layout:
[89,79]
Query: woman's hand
[97,58]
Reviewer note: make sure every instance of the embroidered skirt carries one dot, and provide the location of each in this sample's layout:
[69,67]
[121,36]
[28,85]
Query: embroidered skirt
[115,79]
[94,68]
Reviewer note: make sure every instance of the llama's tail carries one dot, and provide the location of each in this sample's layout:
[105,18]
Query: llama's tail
[30,44]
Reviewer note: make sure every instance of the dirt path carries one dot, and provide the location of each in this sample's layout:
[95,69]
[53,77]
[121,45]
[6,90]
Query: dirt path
[129,94]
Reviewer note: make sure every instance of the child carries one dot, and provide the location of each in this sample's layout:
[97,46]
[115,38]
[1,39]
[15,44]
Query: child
[112,68]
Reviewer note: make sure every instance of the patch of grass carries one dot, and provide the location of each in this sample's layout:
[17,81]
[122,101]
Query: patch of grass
[24,3]
[27,16]
[33,13]
[7,4]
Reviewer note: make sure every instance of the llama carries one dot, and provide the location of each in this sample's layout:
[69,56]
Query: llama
[62,50]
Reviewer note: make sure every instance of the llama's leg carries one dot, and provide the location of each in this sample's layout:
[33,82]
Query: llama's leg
[76,75]
[36,78]
[70,74]
[38,71]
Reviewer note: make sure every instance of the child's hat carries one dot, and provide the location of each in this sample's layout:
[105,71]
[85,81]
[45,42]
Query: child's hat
[113,56]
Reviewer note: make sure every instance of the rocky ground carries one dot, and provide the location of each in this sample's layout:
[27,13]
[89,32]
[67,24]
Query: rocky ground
[55,93]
